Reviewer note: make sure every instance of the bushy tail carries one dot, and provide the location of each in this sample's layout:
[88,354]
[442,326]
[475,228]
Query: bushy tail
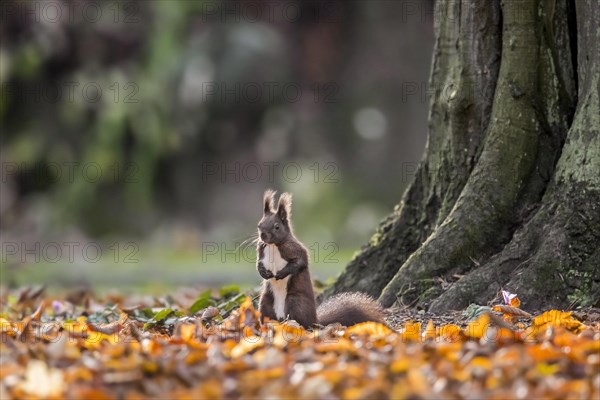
[349,309]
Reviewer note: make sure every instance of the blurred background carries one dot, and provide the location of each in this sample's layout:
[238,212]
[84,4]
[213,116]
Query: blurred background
[137,137]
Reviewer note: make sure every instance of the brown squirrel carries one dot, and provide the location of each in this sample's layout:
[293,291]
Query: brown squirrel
[287,291]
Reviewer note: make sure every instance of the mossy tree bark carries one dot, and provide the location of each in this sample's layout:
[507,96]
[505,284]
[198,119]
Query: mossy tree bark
[508,193]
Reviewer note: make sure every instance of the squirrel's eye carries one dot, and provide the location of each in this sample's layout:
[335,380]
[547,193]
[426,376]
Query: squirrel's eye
[276,226]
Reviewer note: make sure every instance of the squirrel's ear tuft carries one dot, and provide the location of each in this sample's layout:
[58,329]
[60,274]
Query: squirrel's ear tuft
[284,209]
[268,200]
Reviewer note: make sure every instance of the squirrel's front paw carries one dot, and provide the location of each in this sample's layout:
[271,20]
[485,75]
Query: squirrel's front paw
[280,275]
[265,273]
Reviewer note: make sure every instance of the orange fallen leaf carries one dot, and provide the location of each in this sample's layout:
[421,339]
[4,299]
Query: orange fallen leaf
[8,327]
[187,332]
[369,329]
[557,318]
[544,352]
[246,345]
[400,366]
[476,329]
[92,394]
[510,310]
[195,357]
[483,363]
[285,334]
[340,346]
[429,333]
[515,302]
[411,331]
[449,332]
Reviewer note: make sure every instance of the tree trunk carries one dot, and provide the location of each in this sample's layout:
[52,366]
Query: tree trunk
[508,193]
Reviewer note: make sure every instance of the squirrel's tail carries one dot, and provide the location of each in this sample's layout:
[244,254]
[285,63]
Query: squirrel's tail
[349,309]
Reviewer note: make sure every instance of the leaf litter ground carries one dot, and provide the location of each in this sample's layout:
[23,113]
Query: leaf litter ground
[213,346]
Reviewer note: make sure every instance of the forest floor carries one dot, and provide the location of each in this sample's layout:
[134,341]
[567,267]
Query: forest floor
[212,345]
[143,270]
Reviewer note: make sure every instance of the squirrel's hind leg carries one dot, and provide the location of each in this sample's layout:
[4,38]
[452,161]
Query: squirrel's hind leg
[265,305]
[302,310]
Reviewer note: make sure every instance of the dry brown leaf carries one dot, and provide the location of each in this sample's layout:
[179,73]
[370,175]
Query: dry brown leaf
[511,311]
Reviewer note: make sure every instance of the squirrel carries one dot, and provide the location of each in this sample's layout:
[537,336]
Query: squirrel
[287,291]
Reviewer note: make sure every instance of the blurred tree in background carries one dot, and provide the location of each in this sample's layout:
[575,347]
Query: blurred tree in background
[124,117]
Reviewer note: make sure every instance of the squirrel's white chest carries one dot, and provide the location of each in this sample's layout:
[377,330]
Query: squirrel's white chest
[273,261]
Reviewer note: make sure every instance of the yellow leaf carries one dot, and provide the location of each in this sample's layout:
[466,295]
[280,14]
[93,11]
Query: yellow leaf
[246,345]
[544,352]
[461,375]
[476,329]
[504,335]
[369,329]
[95,339]
[417,382]
[7,327]
[399,366]
[285,334]
[480,362]
[115,351]
[262,375]
[187,332]
[451,333]
[429,333]
[129,363]
[353,393]
[449,350]
[151,367]
[234,366]
[195,356]
[411,331]
[78,374]
[340,346]
[249,316]
[547,369]
[557,318]
[515,302]
[211,389]
[550,316]
[332,376]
